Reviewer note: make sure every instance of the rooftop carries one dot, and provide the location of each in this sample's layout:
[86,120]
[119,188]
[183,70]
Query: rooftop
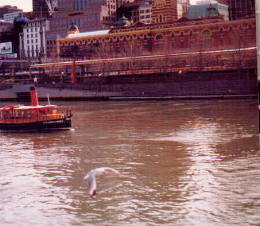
[203,10]
[88,33]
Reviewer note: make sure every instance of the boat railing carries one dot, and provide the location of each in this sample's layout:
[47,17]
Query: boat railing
[33,116]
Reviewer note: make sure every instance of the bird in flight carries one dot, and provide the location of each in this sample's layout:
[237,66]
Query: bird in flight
[91,178]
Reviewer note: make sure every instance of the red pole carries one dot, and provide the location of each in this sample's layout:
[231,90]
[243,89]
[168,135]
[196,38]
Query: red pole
[34,97]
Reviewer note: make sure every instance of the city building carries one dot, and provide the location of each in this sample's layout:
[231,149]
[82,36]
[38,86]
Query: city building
[5,26]
[123,2]
[5,31]
[208,10]
[210,34]
[187,57]
[33,38]
[164,11]
[145,13]
[129,10]
[19,23]
[87,15]
[7,9]
[204,56]
[239,9]
[182,8]
[9,17]
[40,7]
[141,11]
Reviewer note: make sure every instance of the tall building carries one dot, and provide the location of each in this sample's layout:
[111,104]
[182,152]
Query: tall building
[182,8]
[9,17]
[122,2]
[87,15]
[19,22]
[5,31]
[40,7]
[32,38]
[208,10]
[239,9]
[144,13]
[44,7]
[8,9]
[164,11]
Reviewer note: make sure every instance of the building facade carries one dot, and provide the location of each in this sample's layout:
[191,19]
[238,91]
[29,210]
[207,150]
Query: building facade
[164,11]
[7,9]
[145,13]
[182,8]
[87,15]
[208,10]
[196,44]
[33,39]
[239,9]
[40,7]
[9,17]
[5,26]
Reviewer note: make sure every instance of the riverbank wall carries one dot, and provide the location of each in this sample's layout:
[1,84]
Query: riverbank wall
[185,85]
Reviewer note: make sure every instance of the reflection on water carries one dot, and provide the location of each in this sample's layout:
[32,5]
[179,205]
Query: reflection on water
[182,163]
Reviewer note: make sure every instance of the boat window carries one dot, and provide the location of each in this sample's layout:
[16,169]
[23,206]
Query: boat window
[42,112]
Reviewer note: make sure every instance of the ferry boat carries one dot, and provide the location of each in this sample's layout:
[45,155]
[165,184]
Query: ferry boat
[35,117]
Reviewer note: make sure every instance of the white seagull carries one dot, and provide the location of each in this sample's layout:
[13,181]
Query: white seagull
[91,178]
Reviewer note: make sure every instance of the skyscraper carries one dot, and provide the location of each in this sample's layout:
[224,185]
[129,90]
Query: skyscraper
[182,8]
[40,7]
[239,9]
[86,15]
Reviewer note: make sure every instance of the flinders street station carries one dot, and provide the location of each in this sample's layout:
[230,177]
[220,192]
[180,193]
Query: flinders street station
[211,54]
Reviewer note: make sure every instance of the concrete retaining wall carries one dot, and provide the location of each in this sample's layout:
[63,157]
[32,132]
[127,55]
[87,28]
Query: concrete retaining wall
[189,84]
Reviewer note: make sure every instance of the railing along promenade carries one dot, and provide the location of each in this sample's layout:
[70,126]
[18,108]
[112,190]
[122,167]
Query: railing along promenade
[212,60]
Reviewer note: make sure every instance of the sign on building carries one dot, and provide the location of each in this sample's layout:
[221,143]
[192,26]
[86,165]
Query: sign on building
[11,55]
[5,47]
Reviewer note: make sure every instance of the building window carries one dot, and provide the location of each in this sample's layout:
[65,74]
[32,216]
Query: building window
[159,37]
[161,19]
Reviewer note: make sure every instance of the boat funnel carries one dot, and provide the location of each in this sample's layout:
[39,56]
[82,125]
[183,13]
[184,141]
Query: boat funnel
[34,97]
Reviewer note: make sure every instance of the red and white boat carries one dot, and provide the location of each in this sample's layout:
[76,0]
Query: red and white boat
[34,117]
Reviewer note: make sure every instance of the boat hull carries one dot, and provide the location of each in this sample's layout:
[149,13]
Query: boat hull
[57,124]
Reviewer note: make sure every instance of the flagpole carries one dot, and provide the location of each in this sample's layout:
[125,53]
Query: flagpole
[257,12]
[257,16]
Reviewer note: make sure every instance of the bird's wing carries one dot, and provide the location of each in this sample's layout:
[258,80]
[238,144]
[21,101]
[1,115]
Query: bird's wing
[100,171]
[91,178]
[109,170]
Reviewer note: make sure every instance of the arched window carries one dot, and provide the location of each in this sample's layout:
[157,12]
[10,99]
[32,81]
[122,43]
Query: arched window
[206,32]
[161,19]
[159,37]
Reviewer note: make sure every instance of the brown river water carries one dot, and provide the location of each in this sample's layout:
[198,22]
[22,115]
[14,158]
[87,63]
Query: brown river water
[181,162]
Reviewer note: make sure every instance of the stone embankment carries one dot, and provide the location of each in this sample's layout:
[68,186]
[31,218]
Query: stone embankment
[20,92]
[63,92]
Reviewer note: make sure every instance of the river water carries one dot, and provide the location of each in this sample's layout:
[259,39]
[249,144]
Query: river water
[181,162]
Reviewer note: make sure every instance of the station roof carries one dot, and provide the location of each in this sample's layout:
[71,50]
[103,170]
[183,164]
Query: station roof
[88,33]
[203,10]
